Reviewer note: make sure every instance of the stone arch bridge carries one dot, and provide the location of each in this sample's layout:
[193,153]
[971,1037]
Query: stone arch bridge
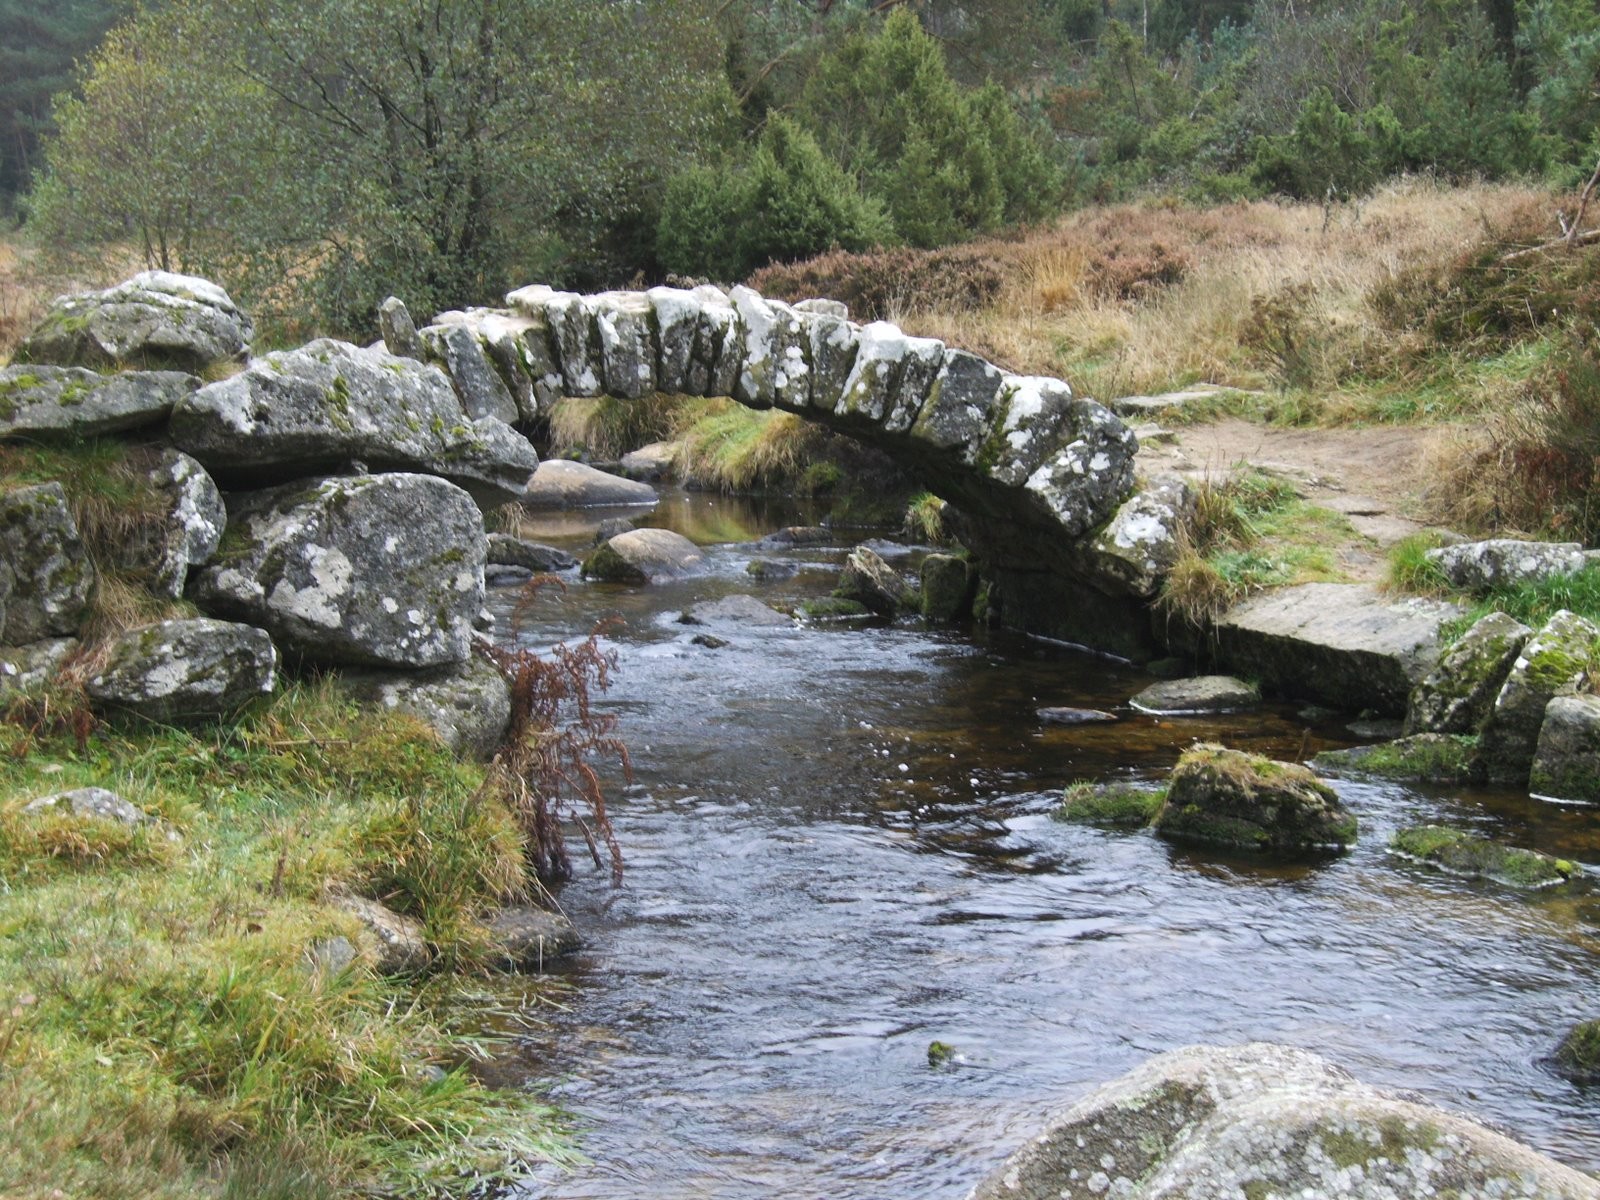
[1042,481]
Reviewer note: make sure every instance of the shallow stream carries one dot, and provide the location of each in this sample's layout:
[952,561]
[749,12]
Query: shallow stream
[838,850]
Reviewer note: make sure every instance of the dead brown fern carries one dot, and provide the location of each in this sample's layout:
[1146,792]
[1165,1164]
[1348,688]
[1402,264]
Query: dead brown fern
[546,767]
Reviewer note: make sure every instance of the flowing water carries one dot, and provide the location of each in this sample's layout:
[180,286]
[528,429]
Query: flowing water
[839,850]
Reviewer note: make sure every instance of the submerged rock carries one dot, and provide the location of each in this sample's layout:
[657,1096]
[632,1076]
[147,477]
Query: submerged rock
[376,570]
[526,939]
[1553,662]
[1199,695]
[643,555]
[735,610]
[1566,760]
[156,319]
[508,551]
[1456,696]
[1262,1120]
[1420,758]
[1230,798]
[1074,716]
[186,671]
[1460,853]
[45,573]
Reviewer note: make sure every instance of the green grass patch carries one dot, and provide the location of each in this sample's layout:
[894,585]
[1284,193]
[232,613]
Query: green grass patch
[1411,571]
[1115,804]
[1423,757]
[164,1029]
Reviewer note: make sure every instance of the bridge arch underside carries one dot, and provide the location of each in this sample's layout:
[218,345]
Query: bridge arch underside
[1034,473]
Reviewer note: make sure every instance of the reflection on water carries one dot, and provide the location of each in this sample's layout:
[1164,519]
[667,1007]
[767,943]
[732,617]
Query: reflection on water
[838,850]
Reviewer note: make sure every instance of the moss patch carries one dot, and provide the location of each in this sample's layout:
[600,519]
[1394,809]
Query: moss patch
[1462,853]
[1422,758]
[1115,804]
[834,608]
[1578,1055]
[1226,797]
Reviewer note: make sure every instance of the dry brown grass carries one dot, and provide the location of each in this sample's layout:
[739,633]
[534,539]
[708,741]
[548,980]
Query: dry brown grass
[1142,297]
[28,283]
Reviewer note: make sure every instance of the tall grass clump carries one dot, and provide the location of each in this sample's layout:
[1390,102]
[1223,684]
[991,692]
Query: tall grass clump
[606,427]
[731,448]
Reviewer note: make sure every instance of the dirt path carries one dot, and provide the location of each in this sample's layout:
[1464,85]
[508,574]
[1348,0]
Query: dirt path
[1373,476]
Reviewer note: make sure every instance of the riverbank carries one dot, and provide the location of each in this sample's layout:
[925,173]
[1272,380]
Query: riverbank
[187,1012]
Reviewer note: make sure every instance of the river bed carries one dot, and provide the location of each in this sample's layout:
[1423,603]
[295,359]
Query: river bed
[838,850]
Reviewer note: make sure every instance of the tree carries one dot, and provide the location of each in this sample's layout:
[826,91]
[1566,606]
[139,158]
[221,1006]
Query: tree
[438,149]
[39,42]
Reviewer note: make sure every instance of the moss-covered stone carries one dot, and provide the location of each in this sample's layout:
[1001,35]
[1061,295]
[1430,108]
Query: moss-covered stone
[1115,804]
[1555,660]
[1421,758]
[1566,762]
[1230,798]
[948,586]
[606,565]
[1462,853]
[834,608]
[1578,1055]
[1455,697]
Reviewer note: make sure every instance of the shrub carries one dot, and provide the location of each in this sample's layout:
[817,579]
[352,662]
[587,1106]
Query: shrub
[884,283]
[700,213]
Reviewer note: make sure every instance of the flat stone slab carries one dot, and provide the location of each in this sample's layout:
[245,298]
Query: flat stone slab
[1143,406]
[1342,644]
[561,484]
[735,610]
[1202,694]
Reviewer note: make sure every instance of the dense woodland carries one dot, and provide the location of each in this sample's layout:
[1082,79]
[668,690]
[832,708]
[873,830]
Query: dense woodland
[443,150]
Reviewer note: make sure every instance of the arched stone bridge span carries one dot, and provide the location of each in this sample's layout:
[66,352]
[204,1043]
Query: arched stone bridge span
[1034,472]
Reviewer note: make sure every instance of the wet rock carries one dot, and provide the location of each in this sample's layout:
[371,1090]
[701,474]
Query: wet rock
[1419,758]
[378,570]
[709,641]
[798,535]
[185,672]
[871,582]
[949,584]
[1229,798]
[768,568]
[394,943]
[560,484]
[1201,694]
[38,401]
[527,939]
[329,405]
[1456,696]
[1340,644]
[1271,1121]
[1113,804]
[1555,661]
[735,610]
[507,551]
[652,463]
[1566,760]
[45,573]
[1378,728]
[1459,853]
[1139,546]
[1578,1055]
[643,555]
[95,802]
[1074,716]
[835,608]
[154,320]
[611,527]
[398,330]
[28,668]
[194,521]
[468,704]
[1499,562]
[478,386]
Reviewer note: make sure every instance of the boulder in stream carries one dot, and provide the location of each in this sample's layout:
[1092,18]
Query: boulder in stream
[1203,694]
[1566,761]
[1456,696]
[1230,798]
[643,555]
[1458,852]
[873,583]
[1420,758]
[1264,1120]
[561,484]
[1555,661]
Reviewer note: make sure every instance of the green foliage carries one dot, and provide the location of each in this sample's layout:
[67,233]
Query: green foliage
[1411,571]
[488,144]
[800,202]
[701,212]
